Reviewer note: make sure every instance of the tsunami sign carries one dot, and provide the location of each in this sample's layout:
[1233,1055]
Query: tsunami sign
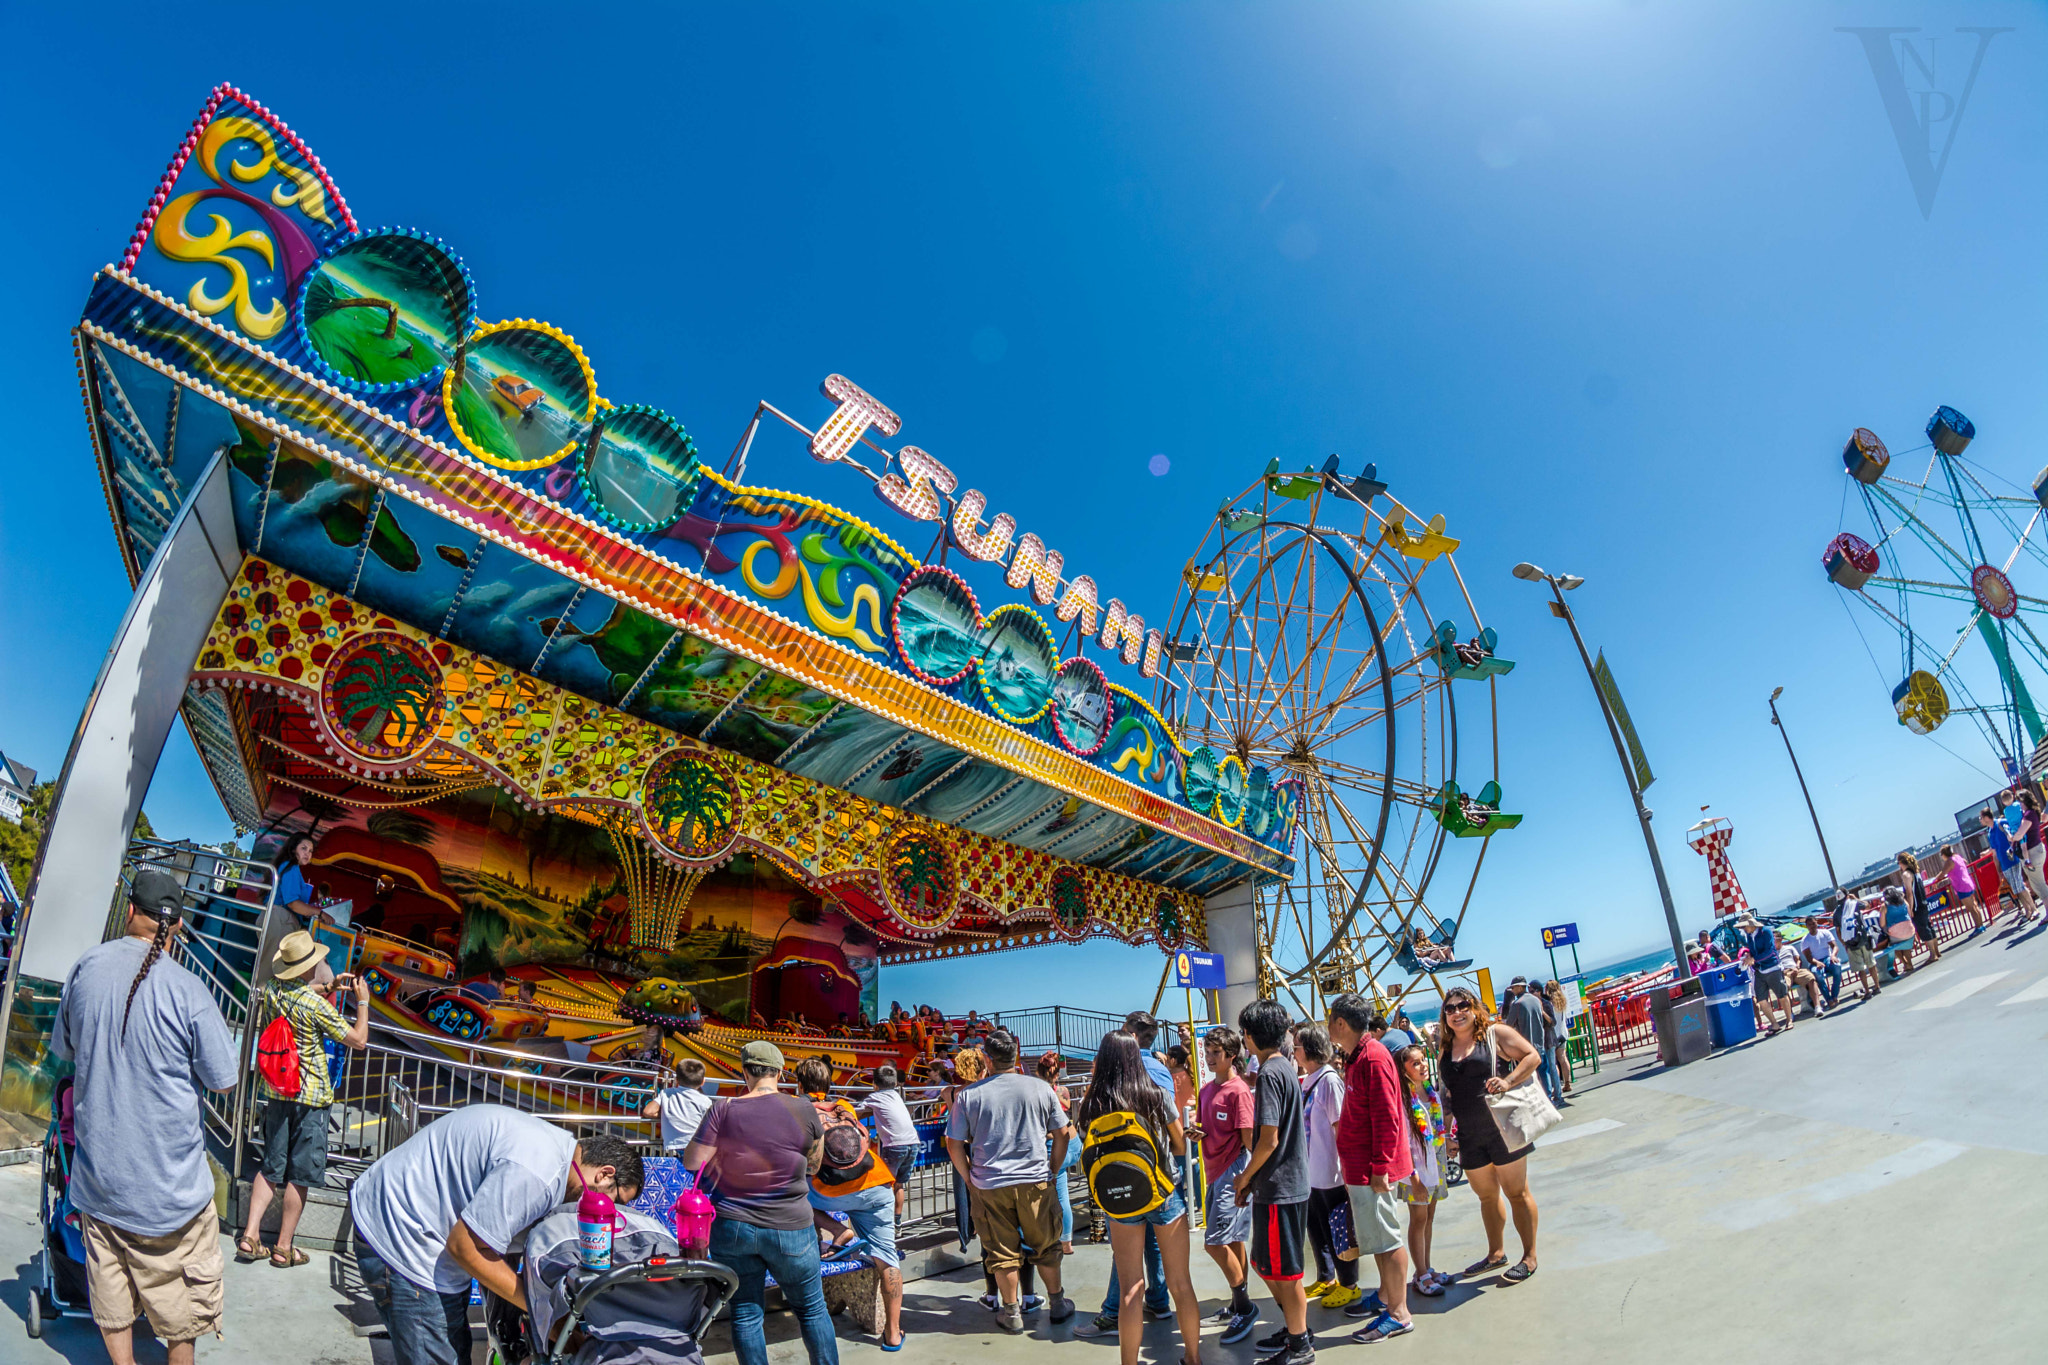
[1198,971]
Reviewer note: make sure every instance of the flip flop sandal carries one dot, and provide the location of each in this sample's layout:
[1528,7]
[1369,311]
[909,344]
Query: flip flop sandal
[1482,1267]
[247,1251]
[293,1257]
[1518,1272]
[901,1337]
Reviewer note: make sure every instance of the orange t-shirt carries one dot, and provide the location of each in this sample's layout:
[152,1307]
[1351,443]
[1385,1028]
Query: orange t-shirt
[878,1169]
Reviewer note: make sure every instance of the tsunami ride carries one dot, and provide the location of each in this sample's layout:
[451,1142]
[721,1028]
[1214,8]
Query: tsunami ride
[588,734]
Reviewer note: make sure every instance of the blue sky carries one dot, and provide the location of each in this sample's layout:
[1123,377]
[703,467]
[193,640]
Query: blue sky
[1608,284]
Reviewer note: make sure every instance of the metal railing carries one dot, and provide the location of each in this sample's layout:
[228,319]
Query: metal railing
[405,1079]
[1058,1028]
[229,924]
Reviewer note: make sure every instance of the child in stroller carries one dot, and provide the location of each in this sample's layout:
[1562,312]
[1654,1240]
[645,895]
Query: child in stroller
[650,1308]
[59,1288]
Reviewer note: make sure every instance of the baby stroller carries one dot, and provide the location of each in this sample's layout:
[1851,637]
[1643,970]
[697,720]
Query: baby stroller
[650,1308]
[58,1288]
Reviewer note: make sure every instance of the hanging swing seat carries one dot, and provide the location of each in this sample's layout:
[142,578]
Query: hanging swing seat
[1410,961]
[1471,817]
[1472,658]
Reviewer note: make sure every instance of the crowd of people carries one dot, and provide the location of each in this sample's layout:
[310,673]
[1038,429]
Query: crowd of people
[1288,1141]
[1881,934]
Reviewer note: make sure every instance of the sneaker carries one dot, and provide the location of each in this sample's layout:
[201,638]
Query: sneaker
[990,1302]
[1101,1325]
[1342,1296]
[1273,1341]
[1303,1354]
[1239,1327]
[1381,1328]
[1158,1314]
[1368,1306]
[1032,1303]
[1062,1308]
[1223,1314]
[1010,1317]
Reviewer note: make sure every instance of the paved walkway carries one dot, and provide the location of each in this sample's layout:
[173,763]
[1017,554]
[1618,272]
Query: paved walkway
[1871,1180]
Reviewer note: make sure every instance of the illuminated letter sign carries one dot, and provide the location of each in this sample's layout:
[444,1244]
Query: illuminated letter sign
[1037,566]
[988,546]
[1080,601]
[857,411]
[1126,633]
[911,491]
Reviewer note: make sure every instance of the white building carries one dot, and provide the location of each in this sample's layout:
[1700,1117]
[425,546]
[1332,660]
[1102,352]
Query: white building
[15,781]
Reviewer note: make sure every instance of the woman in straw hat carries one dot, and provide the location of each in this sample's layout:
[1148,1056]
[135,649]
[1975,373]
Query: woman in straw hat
[295,1125]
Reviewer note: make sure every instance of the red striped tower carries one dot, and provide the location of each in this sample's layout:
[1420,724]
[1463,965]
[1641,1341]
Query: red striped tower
[1709,838]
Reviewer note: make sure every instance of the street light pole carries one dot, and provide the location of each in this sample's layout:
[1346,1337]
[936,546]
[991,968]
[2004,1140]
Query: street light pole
[1556,583]
[1785,735]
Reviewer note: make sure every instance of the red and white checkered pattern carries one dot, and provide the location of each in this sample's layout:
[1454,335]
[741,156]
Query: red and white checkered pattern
[1712,844]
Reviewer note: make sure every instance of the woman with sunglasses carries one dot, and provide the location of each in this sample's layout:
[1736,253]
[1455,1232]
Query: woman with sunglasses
[1482,1057]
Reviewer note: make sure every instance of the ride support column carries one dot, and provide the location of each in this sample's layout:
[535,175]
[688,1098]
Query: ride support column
[1233,932]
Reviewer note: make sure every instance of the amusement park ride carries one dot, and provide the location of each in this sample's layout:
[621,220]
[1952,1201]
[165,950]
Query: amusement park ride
[557,699]
[1945,541]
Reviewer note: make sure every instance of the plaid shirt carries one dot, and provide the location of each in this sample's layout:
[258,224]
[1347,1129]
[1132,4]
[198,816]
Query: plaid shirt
[312,1018]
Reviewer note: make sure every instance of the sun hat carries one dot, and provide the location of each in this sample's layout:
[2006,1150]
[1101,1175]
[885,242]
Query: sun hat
[761,1053]
[296,955]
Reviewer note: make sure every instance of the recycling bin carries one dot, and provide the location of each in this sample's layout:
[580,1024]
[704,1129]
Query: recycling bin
[1679,1015]
[1731,1017]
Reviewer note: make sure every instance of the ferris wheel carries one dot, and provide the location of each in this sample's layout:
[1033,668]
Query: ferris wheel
[1949,541]
[1302,640]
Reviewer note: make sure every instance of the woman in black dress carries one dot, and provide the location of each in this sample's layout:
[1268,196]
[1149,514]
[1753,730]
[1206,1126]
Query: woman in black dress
[1482,1057]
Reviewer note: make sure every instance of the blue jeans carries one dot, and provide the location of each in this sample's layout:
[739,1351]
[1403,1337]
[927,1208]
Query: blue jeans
[1552,1086]
[1830,976]
[1059,1189]
[791,1255]
[427,1327]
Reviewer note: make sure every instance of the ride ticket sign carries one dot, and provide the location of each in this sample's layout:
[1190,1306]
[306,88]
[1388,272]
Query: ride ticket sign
[1560,935]
[1198,971]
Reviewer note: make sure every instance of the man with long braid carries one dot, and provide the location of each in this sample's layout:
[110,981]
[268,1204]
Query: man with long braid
[145,1037]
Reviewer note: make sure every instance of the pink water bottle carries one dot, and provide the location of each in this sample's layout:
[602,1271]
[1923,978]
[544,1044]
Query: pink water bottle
[594,1215]
[693,1214]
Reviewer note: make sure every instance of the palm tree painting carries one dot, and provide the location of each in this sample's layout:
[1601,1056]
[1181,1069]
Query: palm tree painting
[1069,902]
[689,806]
[1167,920]
[920,878]
[382,696]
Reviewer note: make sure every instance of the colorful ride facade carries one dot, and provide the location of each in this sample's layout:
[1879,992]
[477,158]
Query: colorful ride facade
[561,705]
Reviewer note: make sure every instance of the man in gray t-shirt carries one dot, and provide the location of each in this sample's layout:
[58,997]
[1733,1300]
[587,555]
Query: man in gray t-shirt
[449,1203]
[996,1136]
[148,1042]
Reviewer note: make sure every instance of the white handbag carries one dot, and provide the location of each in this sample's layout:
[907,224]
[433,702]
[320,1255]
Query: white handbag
[1523,1113]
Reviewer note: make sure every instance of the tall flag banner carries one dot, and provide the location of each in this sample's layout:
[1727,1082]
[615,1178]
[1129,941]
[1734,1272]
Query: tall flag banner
[1603,678]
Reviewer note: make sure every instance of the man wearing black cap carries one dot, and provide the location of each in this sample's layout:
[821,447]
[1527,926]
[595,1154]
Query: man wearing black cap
[146,1039]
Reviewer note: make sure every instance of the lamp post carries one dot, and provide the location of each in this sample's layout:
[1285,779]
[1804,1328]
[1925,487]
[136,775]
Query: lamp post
[1812,814]
[1560,584]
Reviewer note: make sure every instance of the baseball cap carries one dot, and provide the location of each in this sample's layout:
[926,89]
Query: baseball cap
[156,892]
[1519,981]
[760,1053]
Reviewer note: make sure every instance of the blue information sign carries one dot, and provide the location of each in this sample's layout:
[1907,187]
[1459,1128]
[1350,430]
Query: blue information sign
[1198,971]
[1559,935]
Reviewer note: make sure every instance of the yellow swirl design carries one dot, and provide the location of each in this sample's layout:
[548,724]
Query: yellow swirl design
[775,588]
[308,195]
[176,241]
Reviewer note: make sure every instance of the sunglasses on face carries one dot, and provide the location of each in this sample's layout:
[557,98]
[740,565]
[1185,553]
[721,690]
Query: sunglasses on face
[1458,1007]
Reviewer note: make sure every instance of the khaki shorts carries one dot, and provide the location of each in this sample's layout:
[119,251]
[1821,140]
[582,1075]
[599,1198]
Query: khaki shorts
[174,1280]
[1862,959]
[1379,1218]
[1009,1218]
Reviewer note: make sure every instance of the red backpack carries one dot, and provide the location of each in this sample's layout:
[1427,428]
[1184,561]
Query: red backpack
[277,1057]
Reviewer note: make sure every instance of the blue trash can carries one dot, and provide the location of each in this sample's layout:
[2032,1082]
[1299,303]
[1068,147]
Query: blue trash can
[1731,1017]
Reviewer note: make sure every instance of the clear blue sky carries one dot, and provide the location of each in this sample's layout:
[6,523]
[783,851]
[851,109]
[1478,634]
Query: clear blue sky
[1608,284]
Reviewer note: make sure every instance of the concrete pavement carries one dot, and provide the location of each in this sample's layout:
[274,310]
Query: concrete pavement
[1870,1182]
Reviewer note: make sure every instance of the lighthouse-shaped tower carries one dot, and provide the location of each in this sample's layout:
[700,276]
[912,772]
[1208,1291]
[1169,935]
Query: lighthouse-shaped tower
[1709,838]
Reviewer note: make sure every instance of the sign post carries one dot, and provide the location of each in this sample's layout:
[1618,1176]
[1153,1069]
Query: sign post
[1559,936]
[1193,971]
